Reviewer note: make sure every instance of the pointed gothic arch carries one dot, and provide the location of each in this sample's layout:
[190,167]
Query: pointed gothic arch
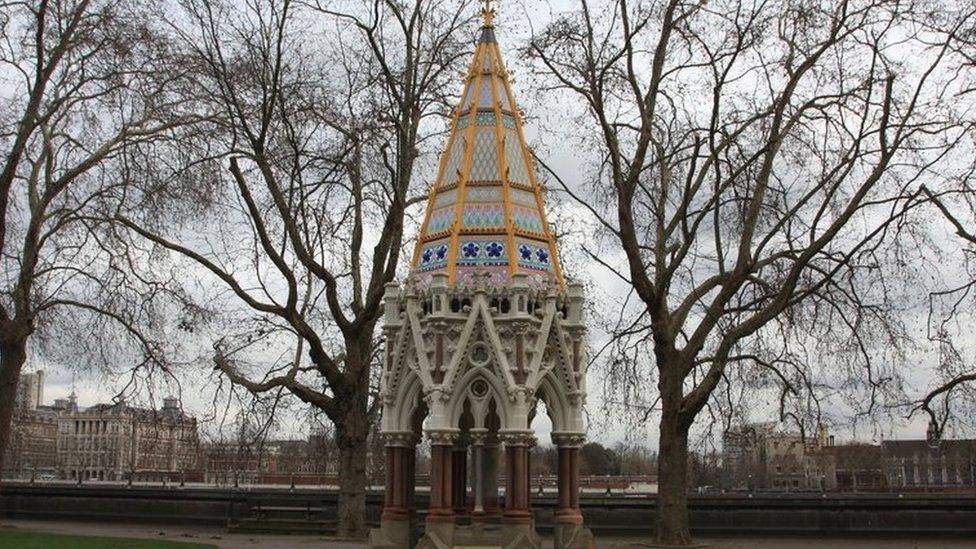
[495,391]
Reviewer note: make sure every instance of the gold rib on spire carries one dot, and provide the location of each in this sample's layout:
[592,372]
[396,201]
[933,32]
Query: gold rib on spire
[486,211]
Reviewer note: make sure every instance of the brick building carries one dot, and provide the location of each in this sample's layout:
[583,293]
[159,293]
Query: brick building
[931,464]
[304,461]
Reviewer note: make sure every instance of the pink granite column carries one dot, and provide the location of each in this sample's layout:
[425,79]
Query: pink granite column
[396,505]
[568,510]
[441,485]
[410,473]
[517,481]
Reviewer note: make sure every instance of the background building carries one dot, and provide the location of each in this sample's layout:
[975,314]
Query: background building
[921,465]
[309,461]
[757,457]
[116,441]
[32,449]
[103,442]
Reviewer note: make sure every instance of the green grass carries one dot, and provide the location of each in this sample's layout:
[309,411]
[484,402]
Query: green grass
[16,539]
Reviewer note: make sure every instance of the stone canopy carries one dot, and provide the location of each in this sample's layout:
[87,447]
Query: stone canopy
[483,329]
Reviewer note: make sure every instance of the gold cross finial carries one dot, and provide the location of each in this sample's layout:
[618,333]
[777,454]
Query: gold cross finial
[487,13]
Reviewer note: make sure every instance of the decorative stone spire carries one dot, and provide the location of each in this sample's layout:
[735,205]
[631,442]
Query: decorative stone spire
[486,212]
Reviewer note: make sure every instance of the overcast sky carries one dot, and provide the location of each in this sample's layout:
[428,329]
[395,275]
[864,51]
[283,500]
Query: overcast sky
[514,26]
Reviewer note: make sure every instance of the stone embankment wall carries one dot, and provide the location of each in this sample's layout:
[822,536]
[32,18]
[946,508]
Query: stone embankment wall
[793,513]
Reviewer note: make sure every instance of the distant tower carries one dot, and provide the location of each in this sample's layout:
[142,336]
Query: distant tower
[30,391]
[823,435]
[483,328]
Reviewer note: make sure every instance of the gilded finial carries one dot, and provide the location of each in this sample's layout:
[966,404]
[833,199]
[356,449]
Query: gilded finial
[487,14]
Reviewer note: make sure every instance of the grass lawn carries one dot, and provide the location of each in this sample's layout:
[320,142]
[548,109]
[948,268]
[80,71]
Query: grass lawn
[17,539]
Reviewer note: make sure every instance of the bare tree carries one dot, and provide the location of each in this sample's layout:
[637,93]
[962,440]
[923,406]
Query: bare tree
[322,133]
[752,156]
[85,78]
[950,396]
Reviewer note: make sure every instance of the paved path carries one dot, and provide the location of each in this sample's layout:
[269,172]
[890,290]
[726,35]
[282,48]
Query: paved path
[199,534]
[810,542]
[219,537]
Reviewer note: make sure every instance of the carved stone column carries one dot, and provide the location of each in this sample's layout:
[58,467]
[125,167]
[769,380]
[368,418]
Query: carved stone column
[395,520]
[439,529]
[518,528]
[487,469]
[492,461]
[393,509]
[568,445]
[411,474]
[459,478]
[441,477]
[484,476]
[568,530]
[517,479]
[477,475]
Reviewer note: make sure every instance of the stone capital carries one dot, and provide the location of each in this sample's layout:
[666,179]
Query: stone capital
[568,440]
[443,437]
[517,438]
[483,437]
[403,439]
[439,326]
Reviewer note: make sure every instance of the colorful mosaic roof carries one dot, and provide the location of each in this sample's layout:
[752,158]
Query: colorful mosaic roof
[486,212]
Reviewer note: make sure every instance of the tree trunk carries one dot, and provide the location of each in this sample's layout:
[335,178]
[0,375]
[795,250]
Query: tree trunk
[351,434]
[672,471]
[13,355]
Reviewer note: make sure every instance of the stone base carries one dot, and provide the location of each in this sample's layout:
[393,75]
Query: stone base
[487,536]
[437,535]
[392,534]
[520,536]
[637,545]
[573,536]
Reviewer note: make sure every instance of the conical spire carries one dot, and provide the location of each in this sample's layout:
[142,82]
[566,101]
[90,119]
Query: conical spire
[486,211]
